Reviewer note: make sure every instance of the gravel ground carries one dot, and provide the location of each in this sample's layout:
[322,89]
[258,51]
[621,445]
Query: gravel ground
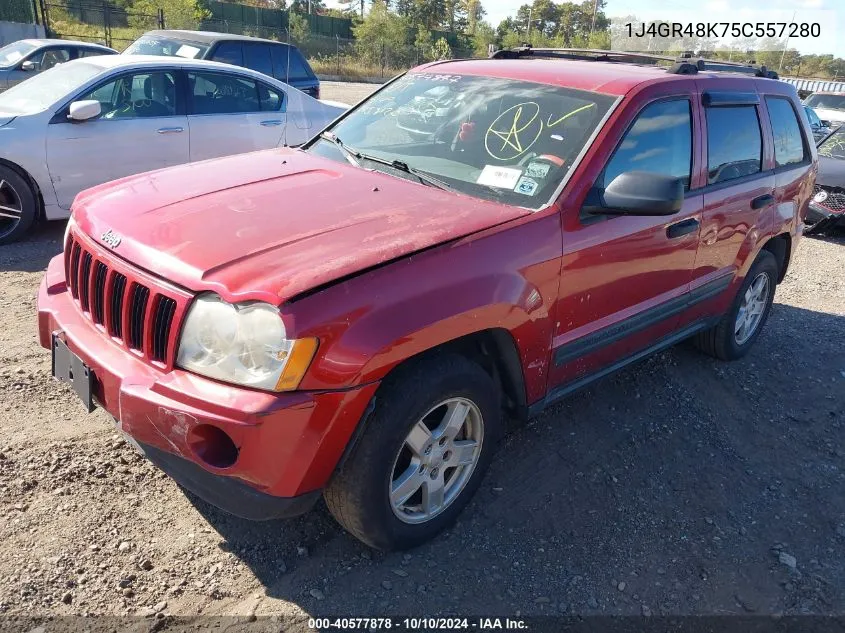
[680,486]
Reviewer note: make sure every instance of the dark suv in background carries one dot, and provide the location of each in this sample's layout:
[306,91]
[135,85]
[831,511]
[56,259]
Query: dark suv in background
[282,61]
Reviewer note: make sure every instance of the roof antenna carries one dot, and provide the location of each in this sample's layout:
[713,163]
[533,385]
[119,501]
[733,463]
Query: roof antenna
[287,83]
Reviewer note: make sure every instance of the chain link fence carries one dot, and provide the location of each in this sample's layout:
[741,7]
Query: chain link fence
[102,23]
[21,11]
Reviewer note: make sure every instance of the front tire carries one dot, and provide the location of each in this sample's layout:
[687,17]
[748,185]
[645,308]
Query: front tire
[422,455]
[732,337]
[18,206]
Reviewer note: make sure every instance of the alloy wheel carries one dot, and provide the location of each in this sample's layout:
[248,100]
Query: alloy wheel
[751,310]
[11,208]
[436,460]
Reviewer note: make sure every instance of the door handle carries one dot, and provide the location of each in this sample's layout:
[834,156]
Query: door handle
[683,227]
[761,201]
[271,123]
[169,130]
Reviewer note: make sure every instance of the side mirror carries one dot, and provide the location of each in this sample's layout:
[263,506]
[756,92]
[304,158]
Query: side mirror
[29,66]
[825,123]
[84,110]
[641,193]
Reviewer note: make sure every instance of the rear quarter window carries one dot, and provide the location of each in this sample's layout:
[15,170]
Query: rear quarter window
[290,67]
[790,148]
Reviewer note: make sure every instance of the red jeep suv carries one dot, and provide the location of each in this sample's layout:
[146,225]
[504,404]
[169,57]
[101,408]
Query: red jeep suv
[357,317]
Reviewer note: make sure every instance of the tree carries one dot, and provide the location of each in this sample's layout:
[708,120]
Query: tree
[298,28]
[475,14]
[382,36]
[178,14]
[441,50]
[483,37]
[301,6]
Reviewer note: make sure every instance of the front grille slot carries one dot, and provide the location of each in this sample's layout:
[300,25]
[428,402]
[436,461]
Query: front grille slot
[100,272]
[165,309]
[117,292]
[137,311]
[131,306]
[73,273]
[84,281]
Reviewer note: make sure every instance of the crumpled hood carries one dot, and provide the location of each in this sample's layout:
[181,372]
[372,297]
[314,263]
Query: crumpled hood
[831,172]
[826,114]
[273,224]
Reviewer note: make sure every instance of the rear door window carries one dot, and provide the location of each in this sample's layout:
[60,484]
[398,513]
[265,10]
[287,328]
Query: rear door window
[219,93]
[789,142]
[734,142]
[270,99]
[229,53]
[257,57]
[90,52]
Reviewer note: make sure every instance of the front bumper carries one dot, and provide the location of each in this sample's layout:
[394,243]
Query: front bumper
[287,444]
[821,218]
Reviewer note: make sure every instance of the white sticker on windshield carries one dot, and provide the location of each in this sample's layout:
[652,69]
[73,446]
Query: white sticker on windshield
[190,52]
[537,170]
[526,186]
[503,177]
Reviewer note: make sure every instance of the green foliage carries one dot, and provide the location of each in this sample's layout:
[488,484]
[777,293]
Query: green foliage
[483,37]
[180,14]
[382,35]
[298,28]
[441,50]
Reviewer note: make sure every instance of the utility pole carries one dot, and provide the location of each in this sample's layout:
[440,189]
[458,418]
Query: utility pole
[785,46]
[528,34]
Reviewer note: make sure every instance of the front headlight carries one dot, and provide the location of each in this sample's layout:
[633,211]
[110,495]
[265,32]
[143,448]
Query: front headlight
[242,343]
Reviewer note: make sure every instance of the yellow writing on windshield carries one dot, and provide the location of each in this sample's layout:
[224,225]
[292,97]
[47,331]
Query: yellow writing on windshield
[516,129]
[551,123]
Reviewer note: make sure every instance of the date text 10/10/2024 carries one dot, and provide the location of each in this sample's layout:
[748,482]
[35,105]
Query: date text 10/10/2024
[411,624]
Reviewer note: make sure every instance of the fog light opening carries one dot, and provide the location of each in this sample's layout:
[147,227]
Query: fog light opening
[213,446]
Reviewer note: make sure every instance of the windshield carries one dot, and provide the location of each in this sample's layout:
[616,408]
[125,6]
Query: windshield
[829,102]
[41,91]
[491,138]
[834,145]
[165,46]
[13,53]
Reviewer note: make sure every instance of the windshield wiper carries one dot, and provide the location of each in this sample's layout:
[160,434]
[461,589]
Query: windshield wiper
[355,156]
[350,154]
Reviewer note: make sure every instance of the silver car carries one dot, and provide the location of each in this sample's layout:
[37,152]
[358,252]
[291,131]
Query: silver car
[22,59]
[94,120]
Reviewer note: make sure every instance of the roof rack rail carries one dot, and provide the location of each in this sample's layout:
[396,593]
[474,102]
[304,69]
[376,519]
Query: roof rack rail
[686,64]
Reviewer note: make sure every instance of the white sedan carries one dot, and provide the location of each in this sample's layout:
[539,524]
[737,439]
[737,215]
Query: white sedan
[97,119]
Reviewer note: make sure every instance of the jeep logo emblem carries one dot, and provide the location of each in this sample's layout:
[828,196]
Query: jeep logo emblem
[111,238]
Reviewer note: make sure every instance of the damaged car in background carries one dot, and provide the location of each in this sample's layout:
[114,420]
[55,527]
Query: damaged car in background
[827,207]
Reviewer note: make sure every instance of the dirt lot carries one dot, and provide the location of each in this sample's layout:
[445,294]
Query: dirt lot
[680,486]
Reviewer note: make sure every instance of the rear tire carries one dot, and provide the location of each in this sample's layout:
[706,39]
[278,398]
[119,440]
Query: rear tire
[391,495]
[735,333]
[18,206]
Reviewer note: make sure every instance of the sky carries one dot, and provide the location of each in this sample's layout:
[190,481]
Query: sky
[822,11]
